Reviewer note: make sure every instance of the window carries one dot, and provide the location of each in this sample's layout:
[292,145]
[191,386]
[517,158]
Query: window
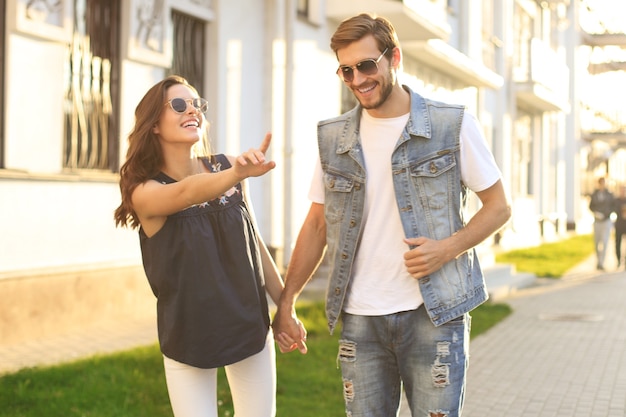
[91,87]
[522,169]
[303,8]
[188,54]
[311,11]
[489,39]
[523,33]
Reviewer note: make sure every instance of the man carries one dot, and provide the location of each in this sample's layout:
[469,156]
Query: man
[387,200]
[620,222]
[602,204]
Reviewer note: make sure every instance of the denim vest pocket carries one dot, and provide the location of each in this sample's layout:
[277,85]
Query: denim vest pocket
[431,183]
[338,189]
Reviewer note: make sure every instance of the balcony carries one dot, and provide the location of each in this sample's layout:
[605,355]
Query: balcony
[438,55]
[413,20]
[603,39]
[602,67]
[542,81]
[608,126]
[606,41]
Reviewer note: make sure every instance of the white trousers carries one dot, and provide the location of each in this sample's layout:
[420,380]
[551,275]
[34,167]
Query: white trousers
[252,381]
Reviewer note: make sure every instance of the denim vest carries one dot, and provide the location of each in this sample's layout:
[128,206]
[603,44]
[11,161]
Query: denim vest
[429,195]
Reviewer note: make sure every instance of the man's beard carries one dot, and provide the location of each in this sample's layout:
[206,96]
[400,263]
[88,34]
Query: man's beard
[386,87]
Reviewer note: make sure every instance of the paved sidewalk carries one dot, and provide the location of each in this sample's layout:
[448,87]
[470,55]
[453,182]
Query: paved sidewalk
[106,337]
[561,353]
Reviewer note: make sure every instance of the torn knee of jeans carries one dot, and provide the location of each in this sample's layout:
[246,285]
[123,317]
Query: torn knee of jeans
[347,351]
[440,373]
[438,413]
[443,349]
[348,390]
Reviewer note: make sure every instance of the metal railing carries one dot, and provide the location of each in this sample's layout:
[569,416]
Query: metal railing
[599,121]
[90,130]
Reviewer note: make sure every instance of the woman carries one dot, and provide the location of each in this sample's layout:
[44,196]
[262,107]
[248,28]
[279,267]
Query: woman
[204,259]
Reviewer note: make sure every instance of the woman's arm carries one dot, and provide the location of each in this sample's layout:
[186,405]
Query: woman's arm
[273,281]
[153,199]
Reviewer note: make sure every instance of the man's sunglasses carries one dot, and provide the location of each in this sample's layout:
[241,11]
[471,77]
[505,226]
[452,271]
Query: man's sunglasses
[179,105]
[365,67]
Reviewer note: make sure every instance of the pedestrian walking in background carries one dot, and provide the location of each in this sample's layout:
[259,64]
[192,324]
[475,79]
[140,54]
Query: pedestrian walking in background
[620,222]
[387,200]
[203,256]
[602,204]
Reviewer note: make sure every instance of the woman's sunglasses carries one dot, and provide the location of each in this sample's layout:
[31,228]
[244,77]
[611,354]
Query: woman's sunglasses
[179,105]
[365,67]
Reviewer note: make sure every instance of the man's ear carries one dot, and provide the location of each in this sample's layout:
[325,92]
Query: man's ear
[396,58]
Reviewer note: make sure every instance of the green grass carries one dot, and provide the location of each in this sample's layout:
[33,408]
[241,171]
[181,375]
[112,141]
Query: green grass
[132,384]
[488,315]
[550,260]
[125,384]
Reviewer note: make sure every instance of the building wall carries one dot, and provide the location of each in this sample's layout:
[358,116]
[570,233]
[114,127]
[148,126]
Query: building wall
[49,303]
[314,94]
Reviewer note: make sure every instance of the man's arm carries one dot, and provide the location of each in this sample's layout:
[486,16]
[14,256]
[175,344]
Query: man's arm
[305,259]
[592,202]
[429,255]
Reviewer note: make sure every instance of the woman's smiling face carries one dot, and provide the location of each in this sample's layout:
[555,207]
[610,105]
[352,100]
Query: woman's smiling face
[185,127]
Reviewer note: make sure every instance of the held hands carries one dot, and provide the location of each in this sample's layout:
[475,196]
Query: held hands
[252,163]
[289,333]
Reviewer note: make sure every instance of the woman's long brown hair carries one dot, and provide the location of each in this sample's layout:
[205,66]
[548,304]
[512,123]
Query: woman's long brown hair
[144,158]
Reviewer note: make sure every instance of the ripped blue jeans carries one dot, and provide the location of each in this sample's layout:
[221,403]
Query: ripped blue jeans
[381,354]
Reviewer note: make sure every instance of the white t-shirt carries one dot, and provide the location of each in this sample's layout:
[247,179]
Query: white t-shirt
[380,283]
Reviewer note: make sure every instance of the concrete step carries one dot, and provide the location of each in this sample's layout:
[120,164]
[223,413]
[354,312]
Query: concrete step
[502,280]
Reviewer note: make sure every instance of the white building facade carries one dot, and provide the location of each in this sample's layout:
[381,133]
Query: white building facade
[74,70]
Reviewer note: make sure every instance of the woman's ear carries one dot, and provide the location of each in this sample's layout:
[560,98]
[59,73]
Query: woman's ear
[155,129]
